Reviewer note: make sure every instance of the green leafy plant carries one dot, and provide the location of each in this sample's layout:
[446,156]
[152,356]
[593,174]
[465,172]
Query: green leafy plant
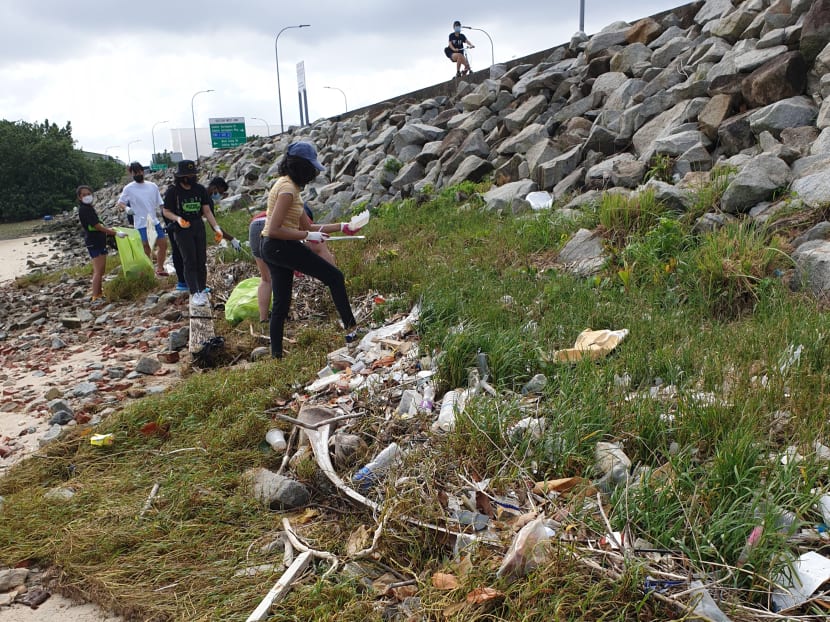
[392,165]
[622,215]
[660,168]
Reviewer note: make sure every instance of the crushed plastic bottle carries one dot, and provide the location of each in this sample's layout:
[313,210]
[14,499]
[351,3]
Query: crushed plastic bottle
[428,402]
[369,475]
[535,384]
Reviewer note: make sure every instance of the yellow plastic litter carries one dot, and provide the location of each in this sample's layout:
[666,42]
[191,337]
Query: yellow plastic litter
[101,439]
[591,344]
[131,251]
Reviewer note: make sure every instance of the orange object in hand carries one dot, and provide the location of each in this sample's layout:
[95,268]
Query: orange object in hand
[217,237]
[184,224]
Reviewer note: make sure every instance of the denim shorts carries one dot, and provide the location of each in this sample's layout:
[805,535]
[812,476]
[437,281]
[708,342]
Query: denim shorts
[255,236]
[159,233]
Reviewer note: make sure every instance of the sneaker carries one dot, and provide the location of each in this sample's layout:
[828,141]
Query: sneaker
[356,334]
[199,299]
[161,272]
[181,287]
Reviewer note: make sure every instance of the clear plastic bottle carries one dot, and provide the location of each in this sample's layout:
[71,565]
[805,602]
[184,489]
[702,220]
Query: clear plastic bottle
[451,404]
[824,506]
[428,402]
[535,384]
[370,474]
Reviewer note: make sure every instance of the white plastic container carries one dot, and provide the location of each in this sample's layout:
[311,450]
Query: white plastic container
[451,404]
[276,439]
[824,507]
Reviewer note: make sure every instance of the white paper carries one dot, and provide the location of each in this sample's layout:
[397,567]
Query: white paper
[809,571]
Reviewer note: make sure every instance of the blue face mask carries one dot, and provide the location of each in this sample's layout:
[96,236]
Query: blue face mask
[457,29]
[216,197]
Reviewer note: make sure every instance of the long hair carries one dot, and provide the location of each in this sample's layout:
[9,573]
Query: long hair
[300,170]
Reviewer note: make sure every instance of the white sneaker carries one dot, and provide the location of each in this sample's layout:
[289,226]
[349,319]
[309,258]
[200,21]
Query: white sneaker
[199,299]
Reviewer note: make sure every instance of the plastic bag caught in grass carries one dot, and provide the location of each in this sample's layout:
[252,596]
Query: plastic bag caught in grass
[591,344]
[528,550]
[242,303]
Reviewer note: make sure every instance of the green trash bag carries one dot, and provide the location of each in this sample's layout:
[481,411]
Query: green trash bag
[242,303]
[131,251]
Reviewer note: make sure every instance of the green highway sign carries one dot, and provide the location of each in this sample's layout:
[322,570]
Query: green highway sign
[227,132]
[158,167]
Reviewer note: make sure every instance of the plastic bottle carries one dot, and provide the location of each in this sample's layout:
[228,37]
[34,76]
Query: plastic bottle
[370,474]
[276,439]
[451,404]
[428,402]
[535,384]
[824,506]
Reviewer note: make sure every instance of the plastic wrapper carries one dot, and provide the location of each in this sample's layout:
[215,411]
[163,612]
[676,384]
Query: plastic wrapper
[242,303]
[528,550]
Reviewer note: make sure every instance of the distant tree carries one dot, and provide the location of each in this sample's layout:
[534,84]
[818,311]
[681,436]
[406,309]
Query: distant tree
[164,158]
[40,169]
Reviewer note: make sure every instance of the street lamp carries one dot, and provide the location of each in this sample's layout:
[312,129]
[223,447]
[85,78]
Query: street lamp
[152,131]
[334,88]
[277,56]
[267,127]
[492,51]
[582,16]
[193,117]
[138,140]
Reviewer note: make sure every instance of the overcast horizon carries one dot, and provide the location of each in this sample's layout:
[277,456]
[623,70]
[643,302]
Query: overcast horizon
[116,71]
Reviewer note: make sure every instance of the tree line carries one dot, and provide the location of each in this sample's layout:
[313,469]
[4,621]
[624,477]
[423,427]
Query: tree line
[40,169]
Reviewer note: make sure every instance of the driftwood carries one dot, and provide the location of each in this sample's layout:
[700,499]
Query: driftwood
[281,587]
[201,326]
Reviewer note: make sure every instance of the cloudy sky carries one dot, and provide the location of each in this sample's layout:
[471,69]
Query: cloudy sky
[115,69]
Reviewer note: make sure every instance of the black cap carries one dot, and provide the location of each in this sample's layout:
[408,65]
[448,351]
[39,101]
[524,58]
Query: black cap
[186,168]
[135,167]
[219,182]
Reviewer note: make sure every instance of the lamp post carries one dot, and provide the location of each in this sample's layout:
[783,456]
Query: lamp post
[277,56]
[138,140]
[153,132]
[267,127]
[582,16]
[492,49]
[193,117]
[345,101]
[108,148]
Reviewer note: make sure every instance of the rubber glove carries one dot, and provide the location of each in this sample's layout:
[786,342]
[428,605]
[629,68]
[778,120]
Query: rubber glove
[129,211]
[236,245]
[217,237]
[120,234]
[183,223]
[316,236]
[345,228]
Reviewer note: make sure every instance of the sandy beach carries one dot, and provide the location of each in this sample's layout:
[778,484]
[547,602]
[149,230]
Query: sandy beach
[13,257]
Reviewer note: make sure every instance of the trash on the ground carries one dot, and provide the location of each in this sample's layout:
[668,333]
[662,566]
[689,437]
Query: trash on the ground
[528,550]
[609,455]
[100,440]
[563,485]
[274,491]
[369,475]
[824,508]
[809,571]
[452,404]
[790,358]
[539,200]
[535,384]
[591,344]
[534,427]
[276,439]
[704,605]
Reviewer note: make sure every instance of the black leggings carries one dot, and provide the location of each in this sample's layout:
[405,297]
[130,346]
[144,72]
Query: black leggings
[283,257]
[192,245]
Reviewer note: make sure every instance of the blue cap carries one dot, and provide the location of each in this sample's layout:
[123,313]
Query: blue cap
[307,152]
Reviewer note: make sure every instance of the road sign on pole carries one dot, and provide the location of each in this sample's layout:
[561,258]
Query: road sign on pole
[227,132]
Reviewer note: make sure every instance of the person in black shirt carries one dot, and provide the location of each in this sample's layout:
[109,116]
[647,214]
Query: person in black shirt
[456,47]
[95,236]
[185,203]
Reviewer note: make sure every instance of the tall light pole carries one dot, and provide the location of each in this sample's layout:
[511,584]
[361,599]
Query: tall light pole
[193,117]
[153,132]
[582,16]
[138,140]
[492,50]
[267,127]
[277,56]
[345,101]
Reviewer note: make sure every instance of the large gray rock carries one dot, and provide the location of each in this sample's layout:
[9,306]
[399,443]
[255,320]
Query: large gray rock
[607,83]
[813,190]
[599,175]
[611,36]
[472,168]
[679,143]
[474,144]
[672,49]
[11,578]
[629,56]
[716,111]
[815,34]
[525,113]
[584,254]
[752,59]
[409,174]
[550,173]
[628,173]
[675,199]
[813,262]
[757,181]
[792,112]
[713,9]
[510,196]
[732,26]
[524,140]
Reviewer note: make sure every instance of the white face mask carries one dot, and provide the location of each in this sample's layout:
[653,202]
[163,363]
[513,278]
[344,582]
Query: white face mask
[87,200]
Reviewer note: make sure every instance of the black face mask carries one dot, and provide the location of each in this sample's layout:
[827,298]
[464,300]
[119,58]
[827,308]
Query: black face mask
[138,178]
[187,180]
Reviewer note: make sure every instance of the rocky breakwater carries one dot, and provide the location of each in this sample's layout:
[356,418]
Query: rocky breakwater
[66,363]
[742,83]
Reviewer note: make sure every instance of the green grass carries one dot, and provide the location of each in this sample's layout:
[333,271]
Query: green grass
[706,314]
